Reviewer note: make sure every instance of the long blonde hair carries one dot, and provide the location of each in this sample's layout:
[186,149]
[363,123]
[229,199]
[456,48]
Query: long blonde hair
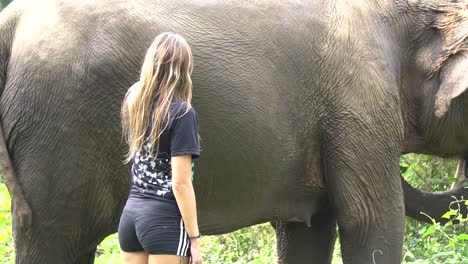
[165,74]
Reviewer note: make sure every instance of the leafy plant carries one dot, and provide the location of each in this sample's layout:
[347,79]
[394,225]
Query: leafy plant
[433,243]
[6,239]
[256,245]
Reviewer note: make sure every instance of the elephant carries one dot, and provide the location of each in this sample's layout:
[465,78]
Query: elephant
[304,107]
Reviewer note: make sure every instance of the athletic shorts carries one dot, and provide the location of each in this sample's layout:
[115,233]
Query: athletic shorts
[154,226]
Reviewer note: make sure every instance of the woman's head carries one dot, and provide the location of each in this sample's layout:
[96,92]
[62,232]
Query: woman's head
[165,74]
[168,66]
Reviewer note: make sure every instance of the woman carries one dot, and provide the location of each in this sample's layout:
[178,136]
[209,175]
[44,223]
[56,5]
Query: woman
[159,222]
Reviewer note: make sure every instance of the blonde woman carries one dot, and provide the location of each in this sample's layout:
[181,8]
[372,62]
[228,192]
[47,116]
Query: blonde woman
[159,222]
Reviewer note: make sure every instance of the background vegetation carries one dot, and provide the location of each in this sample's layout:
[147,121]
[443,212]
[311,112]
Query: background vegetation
[423,243]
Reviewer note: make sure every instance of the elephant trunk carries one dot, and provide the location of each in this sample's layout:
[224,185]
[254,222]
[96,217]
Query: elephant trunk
[435,205]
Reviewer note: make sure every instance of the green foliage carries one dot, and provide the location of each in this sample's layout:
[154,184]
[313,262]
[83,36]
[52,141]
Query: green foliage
[424,244]
[256,245]
[428,173]
[436,244]
[6,239]
[108,251]
[432,243]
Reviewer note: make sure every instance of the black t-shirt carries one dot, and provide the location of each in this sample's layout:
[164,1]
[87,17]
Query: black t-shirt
[152,176]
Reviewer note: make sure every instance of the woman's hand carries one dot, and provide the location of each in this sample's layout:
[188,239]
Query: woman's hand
[195,251]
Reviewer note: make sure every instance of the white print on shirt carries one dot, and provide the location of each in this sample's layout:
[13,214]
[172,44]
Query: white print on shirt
[152,174]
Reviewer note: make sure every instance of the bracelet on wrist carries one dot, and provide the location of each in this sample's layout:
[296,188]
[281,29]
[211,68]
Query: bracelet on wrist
[195,237]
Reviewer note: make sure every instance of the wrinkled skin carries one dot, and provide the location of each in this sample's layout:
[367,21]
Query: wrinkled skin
[304,108]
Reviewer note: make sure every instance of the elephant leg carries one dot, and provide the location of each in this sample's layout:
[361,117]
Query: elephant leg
[71,240]
[87,257]
[48,246]
[297,243]
[362,172]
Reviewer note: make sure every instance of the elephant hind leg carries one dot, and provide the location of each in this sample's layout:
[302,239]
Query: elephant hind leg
[297,243]
[86,258]
[51,246]
[363,178]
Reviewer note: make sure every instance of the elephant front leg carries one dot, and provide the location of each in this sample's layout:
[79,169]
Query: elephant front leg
[362,172]
[299,244]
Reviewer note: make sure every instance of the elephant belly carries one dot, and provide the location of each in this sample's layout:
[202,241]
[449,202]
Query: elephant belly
[243,187]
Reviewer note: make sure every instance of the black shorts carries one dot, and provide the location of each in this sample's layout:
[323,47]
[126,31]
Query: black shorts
[154,226]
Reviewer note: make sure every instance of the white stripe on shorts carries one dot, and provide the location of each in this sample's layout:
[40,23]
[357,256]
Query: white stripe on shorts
[188,244]
[184,247]
[179,249]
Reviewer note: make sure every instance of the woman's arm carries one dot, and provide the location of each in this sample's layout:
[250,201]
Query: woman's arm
[183,191]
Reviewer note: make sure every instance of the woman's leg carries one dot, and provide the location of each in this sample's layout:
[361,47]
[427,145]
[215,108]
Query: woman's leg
[168,259]
[139,257]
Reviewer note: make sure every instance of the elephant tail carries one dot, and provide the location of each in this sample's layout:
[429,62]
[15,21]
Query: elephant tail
[419,205]
[8,21]
[20,205]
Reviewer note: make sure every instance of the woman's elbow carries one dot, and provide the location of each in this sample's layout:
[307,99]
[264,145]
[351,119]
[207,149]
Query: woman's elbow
[181,187]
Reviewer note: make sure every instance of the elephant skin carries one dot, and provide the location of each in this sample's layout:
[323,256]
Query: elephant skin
[305,108]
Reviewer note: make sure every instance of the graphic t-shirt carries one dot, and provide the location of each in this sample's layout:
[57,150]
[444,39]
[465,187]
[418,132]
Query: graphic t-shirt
[151,175]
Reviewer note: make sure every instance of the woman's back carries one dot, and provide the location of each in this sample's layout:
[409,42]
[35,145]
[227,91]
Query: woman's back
[151,170]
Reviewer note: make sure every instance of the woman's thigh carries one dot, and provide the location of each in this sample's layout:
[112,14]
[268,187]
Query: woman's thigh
[168,259]
[140,257]
[161,232]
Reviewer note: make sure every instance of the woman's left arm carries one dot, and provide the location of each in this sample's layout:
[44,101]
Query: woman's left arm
[184,146]
[183,191]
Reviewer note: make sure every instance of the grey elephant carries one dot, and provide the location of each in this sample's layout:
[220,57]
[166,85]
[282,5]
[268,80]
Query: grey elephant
[305,108]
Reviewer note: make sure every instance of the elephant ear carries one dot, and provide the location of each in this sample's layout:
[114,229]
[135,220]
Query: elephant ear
[454,83]
[452,63]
